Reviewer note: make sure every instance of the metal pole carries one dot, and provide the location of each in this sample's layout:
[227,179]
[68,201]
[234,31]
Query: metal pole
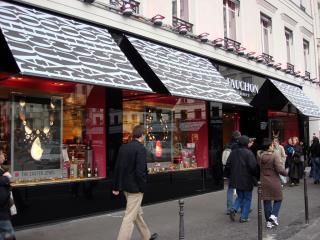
[259,212]
[181,223]
[306,204]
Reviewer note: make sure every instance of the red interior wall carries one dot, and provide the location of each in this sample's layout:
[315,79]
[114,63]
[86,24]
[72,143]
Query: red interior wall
[96,127]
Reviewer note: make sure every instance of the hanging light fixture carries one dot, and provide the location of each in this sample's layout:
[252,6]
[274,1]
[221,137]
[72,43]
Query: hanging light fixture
[89,1]
[203,37]
[182,29]
[157,20]
[127,8]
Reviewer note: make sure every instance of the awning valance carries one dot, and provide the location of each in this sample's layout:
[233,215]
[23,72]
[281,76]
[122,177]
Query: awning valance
[184,74]
[46,45]
[296,96]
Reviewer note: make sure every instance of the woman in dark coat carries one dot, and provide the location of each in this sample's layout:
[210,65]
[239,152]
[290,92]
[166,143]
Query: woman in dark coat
[315,159]
[6,229]
[270,168]
[297,161]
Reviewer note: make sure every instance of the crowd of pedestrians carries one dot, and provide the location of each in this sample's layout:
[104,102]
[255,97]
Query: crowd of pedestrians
[274,165]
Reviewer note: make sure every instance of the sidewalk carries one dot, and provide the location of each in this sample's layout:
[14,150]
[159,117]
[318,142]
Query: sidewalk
[205,219]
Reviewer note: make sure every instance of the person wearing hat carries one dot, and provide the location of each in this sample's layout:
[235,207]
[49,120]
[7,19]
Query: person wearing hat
[243,170]
[270,168]
[226,164]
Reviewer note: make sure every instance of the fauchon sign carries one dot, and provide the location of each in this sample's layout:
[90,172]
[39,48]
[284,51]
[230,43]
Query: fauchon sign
[246,89]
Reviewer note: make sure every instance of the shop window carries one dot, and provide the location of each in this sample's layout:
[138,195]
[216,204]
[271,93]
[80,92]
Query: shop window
[175,140]
[266,29]
[230,16]
[52,131]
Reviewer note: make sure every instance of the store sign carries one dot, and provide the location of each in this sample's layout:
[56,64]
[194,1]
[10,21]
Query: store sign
[245,89]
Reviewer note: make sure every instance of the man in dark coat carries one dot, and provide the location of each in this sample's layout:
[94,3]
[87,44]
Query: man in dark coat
[233,144]
[131,178]
[243,171]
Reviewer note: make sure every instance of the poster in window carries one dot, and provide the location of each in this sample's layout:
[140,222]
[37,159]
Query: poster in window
[36,137]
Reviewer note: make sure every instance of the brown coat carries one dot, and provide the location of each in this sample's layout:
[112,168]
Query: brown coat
[270,168]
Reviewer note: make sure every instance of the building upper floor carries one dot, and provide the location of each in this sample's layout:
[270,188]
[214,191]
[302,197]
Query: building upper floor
[272,37]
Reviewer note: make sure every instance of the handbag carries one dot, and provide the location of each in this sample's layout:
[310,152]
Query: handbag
[13,208]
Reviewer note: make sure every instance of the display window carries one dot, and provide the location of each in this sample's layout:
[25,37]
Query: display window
[52,131]
[283,125]
[176,130]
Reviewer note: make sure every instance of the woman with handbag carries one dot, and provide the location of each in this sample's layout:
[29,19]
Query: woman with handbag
[6,228]
[270,168]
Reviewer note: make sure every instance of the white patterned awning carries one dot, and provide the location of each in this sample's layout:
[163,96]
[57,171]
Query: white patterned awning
[296,96]
[46,45]
[185,74]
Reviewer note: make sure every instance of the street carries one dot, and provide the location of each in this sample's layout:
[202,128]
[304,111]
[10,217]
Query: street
[205,219]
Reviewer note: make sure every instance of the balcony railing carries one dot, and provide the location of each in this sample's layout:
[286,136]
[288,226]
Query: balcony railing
[307,76]
[290,68]
[231,45]
[177,22]
[266,59]
[120,3]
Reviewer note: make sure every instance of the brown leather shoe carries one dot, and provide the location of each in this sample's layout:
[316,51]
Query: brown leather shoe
[154,236]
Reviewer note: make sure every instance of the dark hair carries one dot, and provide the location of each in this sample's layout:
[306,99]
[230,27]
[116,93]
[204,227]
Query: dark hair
[137,131]
[266,142]
[1,148]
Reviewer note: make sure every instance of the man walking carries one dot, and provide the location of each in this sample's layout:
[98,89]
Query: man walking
[131,178]
[243,170]
[233,144]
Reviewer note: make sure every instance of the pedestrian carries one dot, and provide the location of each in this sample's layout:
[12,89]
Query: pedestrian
[279,149]
[225,155]
[6,228]
[310,162]
[131,178]
[296,166]
[243,171]
[270,168]
[315,159]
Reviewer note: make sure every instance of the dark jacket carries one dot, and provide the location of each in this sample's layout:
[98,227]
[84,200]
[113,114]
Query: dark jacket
[243,166]
[315,149]
[4,197]
[131,168]
[271,167]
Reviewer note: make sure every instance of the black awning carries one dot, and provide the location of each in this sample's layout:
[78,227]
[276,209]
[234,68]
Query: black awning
[295,95]
[46,45]
[182,74]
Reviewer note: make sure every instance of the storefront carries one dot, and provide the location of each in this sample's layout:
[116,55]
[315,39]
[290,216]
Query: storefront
[278,109]
[70,96]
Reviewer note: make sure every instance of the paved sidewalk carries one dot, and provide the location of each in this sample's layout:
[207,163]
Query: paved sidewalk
[205,219]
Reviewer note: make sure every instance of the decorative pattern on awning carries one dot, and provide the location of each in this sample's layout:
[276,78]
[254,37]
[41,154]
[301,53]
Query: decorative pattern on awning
[296,96]
[49,46]
[185,74]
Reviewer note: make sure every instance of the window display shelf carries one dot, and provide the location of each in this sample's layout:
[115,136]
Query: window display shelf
[176,170]
[53,181]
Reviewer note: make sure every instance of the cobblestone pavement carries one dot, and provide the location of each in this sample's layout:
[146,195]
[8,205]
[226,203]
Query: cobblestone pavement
[205,219]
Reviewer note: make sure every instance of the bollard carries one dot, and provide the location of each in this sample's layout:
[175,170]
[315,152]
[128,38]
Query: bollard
[259,212]
[181,222]
[306,204]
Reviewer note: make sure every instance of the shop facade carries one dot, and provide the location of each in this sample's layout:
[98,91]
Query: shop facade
[278,110]
[70,95]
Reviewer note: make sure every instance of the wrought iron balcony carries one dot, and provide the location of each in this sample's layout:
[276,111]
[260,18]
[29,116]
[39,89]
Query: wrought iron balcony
[290,68]
[231,45]
[181,25]
[266,59]
[306,76]
[122,3]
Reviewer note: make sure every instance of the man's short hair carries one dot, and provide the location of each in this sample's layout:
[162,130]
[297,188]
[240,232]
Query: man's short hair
[235,135]
[137,131]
